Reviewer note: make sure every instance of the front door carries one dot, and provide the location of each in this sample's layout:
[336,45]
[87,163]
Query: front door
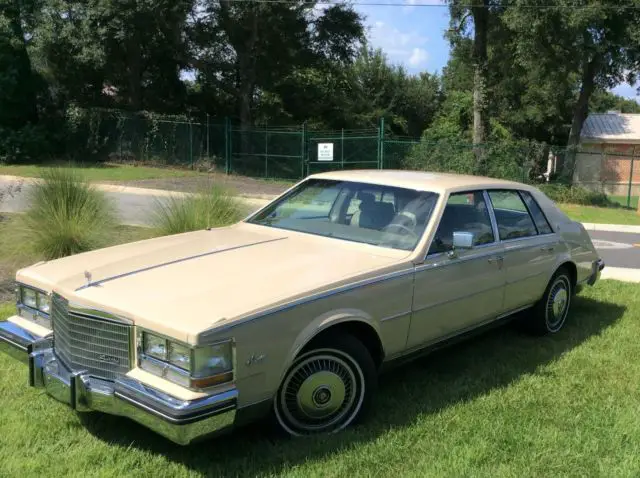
[458,291]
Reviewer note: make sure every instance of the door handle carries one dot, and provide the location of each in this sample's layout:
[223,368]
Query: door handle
[497,259]
[547,248]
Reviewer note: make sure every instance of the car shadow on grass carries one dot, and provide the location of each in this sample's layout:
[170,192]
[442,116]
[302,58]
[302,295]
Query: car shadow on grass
[460,373]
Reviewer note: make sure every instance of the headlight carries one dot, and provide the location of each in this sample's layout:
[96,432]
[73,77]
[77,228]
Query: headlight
[192,367]
[180,356]
[34,305]
[44,304]
[29,297]
[155,346]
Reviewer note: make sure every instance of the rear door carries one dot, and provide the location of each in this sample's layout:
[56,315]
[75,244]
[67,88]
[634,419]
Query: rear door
[530,246]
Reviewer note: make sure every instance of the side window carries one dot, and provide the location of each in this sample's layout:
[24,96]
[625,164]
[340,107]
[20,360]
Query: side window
[538,216]
[512,215]
[465,212]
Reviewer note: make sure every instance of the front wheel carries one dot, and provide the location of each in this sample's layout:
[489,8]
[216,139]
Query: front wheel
[327,388]
[550,313]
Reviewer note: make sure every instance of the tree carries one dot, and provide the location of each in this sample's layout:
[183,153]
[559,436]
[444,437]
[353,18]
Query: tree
[597,41]
[118,53]
[605,101]
[18,83]
[248,50]
[479,11]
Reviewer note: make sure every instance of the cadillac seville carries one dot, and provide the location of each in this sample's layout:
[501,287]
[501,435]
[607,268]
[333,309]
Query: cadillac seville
[292,312]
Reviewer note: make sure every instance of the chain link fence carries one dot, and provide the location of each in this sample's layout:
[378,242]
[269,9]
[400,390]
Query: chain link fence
[293,152]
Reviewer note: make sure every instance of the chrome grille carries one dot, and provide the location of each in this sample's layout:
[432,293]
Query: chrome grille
[99,346]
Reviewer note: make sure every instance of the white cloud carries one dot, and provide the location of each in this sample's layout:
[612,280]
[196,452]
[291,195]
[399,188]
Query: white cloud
[418,57]
[406,47]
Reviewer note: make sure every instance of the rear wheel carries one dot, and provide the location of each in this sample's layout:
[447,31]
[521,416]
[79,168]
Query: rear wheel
[550,313]
[327,388]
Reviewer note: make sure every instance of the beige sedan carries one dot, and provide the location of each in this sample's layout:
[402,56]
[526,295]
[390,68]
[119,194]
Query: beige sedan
[292,312]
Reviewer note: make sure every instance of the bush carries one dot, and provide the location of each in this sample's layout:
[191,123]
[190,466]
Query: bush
[67,215]
[503,160]
[24,145]
[213,207]
[565,193]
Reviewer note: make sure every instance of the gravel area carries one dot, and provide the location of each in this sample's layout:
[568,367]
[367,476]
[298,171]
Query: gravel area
[241,185]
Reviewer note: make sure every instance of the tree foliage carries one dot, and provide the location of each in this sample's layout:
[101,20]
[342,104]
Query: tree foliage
[515,74]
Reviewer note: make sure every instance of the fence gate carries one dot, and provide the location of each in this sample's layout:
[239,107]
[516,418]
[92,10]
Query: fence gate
[347,149]
[266,152]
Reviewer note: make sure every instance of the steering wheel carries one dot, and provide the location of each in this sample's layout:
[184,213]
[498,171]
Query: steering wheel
[405,228]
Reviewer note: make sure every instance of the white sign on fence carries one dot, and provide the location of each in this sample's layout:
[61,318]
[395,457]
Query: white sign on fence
[325,151]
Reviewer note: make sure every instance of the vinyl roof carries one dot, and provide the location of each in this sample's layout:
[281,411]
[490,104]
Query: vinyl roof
[419,180]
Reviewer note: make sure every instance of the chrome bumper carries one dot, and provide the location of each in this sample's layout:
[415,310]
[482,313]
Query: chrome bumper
[596,269]
[178,420]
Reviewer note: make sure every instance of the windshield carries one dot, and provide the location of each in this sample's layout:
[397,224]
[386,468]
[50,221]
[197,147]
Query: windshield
[380,215]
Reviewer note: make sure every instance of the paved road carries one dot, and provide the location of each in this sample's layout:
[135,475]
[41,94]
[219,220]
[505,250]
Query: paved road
[132,208]
[618,249]
[133,205]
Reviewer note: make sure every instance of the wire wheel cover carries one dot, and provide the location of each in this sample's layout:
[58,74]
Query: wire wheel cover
[319,393]
[558,303]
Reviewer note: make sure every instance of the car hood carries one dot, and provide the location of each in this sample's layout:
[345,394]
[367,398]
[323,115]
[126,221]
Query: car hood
[183,284]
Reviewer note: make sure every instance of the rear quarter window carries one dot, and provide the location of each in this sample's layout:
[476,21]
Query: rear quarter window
[536,213]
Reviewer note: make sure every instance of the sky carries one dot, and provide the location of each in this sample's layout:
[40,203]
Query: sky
[413,36]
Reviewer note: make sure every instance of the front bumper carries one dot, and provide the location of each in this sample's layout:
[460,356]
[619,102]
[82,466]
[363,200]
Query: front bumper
[178,420]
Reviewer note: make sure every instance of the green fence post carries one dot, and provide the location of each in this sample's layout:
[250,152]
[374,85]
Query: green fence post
[266,151]
[227,145]
[382,144]
[633,152]
[342,149]
[303,148]
[191,143]
[208,155]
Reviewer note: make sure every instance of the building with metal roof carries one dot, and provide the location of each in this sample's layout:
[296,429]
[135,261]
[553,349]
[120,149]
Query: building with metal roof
[608,158]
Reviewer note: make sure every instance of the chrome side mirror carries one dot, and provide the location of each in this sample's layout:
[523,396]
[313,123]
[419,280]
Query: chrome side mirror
[461,240]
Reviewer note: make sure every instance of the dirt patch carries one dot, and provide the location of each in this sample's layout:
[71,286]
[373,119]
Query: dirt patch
[7,284]
[240,185]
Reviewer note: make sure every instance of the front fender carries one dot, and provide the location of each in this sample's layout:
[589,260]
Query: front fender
[322,323]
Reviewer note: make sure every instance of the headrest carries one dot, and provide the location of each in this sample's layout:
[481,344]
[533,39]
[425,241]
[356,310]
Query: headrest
[367,200]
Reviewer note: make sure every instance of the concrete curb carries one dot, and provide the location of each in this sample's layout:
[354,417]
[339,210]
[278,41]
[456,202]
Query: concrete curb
[611,228]
[620,273]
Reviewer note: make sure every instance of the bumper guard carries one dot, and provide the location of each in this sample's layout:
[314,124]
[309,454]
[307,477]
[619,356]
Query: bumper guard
[179,420]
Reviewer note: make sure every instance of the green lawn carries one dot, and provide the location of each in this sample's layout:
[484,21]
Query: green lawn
[503,404]
[15,253]
[622,200]
[102,173]
[601,215]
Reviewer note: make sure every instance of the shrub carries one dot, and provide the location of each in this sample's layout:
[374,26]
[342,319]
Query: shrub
[213,207]
[67,215]
[504,160]
[565,193]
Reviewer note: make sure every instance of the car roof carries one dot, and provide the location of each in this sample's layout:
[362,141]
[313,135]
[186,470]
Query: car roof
[420,180]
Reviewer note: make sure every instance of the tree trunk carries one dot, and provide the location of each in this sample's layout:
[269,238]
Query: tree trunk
[245,46]
[580,113]
[247,81]
[134,58]
[480,118]
[19,103]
